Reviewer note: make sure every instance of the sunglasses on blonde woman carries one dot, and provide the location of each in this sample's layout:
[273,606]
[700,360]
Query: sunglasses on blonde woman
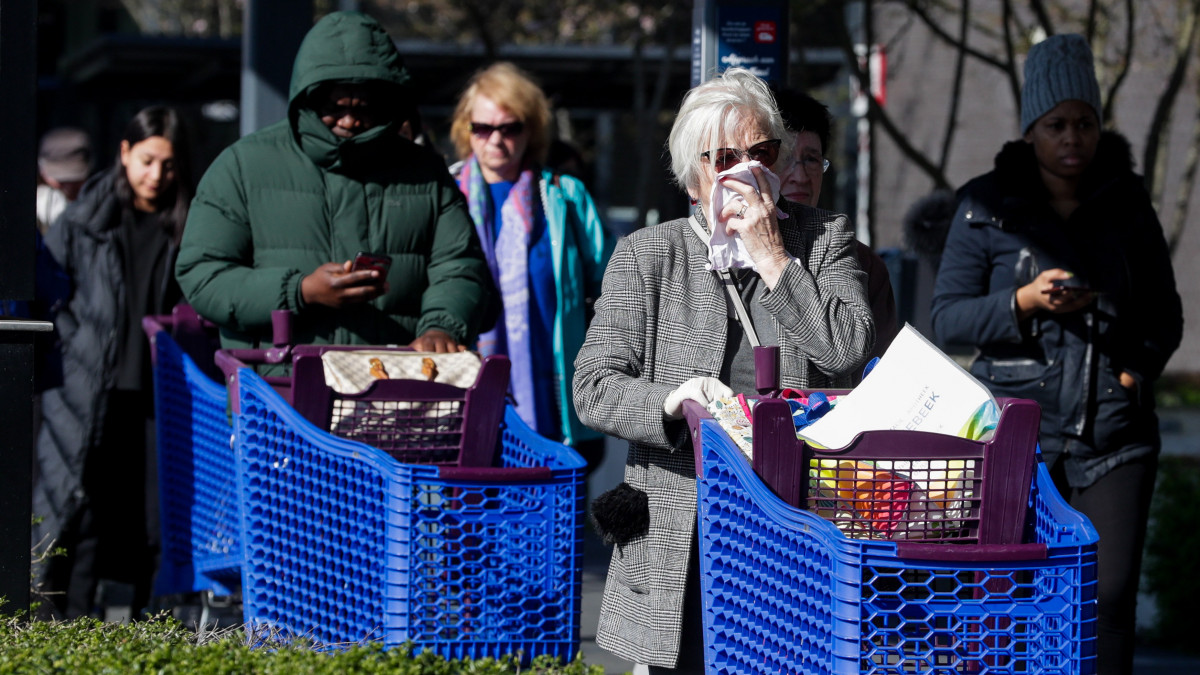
[507,130]
[725,158]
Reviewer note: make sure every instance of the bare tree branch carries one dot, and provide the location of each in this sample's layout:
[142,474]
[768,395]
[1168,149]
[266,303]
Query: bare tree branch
[983,27]
[1010,53]
[1043,17]
[1187,183]
[949,39]
[1007,66]
[956,90]
[1156,136]
[878,114]
[1126,62]
[480,17]
[1090,30]
[898,34]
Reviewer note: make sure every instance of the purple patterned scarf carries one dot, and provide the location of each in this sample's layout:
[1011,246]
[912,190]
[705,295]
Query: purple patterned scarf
[508,257]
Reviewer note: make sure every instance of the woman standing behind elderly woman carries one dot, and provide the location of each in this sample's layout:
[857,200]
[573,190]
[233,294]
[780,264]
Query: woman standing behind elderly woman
[663,334]
[543,240]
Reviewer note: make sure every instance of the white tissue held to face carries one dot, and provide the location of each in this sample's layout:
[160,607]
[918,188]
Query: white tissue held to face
[703,390]
[726,251]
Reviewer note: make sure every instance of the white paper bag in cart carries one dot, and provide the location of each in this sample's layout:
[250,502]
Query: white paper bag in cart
[914,386]
[352,371]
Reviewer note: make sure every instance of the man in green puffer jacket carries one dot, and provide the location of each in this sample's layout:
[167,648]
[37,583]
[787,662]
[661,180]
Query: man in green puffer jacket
[280,214]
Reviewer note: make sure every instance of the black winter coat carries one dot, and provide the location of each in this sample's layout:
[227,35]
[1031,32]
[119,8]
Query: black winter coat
[91,327]
[1003,235]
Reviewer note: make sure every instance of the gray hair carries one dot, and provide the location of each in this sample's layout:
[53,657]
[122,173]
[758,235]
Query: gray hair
[717,111]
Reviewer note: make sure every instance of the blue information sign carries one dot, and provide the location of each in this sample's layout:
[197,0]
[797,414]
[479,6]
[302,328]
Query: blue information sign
[753,37]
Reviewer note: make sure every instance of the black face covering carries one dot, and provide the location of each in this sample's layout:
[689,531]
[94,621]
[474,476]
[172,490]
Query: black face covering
[360,152]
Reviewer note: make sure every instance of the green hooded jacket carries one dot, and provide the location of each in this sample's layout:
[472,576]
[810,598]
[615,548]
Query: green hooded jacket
[282,201]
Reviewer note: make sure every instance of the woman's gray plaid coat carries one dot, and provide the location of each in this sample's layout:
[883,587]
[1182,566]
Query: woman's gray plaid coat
[661,320]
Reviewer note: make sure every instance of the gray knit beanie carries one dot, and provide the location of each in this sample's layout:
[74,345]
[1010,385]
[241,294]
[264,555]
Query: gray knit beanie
[1058,69]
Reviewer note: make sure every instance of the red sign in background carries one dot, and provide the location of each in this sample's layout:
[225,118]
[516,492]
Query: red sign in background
[764,32]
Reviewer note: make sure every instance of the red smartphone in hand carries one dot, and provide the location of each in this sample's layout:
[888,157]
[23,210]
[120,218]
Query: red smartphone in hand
[372,261]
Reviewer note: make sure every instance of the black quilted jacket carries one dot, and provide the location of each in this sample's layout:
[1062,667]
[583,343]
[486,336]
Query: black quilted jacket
[1003,235]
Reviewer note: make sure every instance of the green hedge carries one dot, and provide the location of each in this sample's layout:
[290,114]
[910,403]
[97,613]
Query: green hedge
[164,646]
[1174,391]
[1172,549]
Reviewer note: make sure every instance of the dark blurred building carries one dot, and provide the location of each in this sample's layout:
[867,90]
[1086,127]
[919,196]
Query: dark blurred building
[97,66]
[96,69]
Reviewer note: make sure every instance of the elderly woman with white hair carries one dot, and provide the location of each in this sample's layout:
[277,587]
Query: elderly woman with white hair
[666,330]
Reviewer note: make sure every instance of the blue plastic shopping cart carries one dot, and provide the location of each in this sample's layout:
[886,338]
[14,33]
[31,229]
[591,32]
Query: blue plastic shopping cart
[201,542]
[344,543]
[457,529]
[832,577]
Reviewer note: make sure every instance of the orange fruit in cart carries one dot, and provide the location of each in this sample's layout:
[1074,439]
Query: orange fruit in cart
[879,497]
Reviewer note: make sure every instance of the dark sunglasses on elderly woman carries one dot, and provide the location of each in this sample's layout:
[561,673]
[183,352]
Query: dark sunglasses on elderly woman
[507,130]
[726,158]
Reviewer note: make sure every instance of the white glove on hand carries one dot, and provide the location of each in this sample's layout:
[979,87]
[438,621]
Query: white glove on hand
[703,390]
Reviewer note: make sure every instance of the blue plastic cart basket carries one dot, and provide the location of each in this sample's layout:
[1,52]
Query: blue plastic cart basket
[201,543]
[786,591]
[346,544]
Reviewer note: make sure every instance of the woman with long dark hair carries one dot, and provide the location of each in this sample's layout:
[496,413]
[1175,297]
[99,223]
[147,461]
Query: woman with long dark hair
[95,491]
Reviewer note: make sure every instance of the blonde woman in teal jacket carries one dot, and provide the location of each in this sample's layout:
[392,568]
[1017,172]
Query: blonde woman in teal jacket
[544,243]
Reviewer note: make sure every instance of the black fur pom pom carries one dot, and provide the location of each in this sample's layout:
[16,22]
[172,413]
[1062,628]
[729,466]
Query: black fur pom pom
[621,514]
[927,223]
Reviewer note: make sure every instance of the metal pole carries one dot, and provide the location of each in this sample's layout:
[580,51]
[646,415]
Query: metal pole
[18,176]
[704,47]
[858,21]
[869,39]
[271,34]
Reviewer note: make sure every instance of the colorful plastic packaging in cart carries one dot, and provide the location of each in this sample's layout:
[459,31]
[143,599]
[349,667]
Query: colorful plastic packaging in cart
[893,499]
[735,414]
[874,499]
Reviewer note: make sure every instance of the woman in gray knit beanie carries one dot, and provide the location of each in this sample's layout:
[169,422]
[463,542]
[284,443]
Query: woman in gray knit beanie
[1058,69]
[1056,268]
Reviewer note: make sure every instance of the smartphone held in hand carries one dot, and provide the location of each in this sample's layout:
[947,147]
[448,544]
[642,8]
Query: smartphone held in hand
[372,261]
[1071,284]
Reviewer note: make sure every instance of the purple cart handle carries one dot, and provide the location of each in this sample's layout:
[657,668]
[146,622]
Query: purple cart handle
[969,552]
[229,364]
[281,336]
[766,370]
[151,327]
[229,360]
[694,413]
[281,327]
[495,475]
